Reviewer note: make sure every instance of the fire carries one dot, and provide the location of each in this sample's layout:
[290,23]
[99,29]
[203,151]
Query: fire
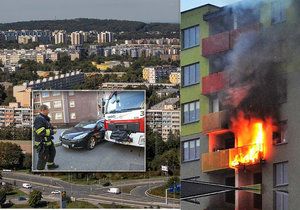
[250,139]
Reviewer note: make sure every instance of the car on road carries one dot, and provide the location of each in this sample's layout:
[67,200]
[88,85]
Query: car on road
[56,192]
[21,198]
[6,170]
[114,190]
[84,135]
[27,185]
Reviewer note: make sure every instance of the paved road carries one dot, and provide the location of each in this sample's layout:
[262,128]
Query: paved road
[106,156]
[95,193]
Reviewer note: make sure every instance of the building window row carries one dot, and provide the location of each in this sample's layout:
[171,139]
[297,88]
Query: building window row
[191,37]
[191,74]
[191,112]
[191,150]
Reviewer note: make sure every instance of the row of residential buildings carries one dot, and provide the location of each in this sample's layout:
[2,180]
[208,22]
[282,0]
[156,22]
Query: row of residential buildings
[159,74]
[57,37]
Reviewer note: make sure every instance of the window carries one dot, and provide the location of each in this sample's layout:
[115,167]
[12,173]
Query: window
[72,104]
[48,104]
[58,116]
[73,116]
[281,174]
[45,94]
[191,37]
[191,150]
[279,136]
[57,104]
[278,11]
[230,196]
[281,200]
[191,74]
[55,93]
[191,112]
[71,93]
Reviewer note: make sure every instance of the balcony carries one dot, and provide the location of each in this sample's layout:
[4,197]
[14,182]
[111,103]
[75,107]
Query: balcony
[215,122]
[213,83]
[216,44]
[225,41]
[232,158]
[215,161]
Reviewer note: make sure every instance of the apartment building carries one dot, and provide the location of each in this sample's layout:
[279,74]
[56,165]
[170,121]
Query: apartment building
[14,115]
[215,162]
[60,37]
[77,38]
[164,117]
[158,73]
[175,78]
[105,37]
[69,107]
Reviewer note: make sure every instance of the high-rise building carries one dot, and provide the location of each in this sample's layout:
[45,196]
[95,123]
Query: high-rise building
[60,37]
[105,37]
[228,161]
[14,115]
[77,38]
[164,117]
[158,73]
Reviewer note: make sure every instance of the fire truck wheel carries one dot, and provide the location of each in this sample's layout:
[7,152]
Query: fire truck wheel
[91,143]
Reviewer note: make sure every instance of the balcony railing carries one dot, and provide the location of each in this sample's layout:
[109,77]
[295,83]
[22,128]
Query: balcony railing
[232,158]
[215,121]
[213,83]
[224,41]
[215,161]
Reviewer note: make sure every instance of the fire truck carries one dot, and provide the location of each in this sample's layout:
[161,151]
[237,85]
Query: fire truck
[124,114]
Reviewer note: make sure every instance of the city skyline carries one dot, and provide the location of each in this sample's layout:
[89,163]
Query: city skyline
[166,11]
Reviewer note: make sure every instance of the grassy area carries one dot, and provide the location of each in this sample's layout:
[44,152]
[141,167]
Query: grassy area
[81,205]
[127,189]
[161,191]
[15,193]
[114,206]
[50,205]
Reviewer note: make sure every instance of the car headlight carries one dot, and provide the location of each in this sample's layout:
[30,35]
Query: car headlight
[80,136]
[142,140]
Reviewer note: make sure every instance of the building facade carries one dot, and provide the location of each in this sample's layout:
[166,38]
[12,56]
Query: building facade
[14,115]
[164,117]
[69,107]
[211,149]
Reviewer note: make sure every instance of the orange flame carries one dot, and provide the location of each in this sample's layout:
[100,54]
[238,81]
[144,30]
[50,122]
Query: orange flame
[250,139]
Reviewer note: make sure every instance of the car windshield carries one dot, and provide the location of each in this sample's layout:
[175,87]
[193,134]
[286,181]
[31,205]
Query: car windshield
[87,124]
[124,101]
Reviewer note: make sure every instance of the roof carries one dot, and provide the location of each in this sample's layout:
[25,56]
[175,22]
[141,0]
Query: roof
[205,5]
[168,101]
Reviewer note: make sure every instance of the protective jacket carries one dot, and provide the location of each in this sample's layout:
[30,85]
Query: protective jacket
[43,130]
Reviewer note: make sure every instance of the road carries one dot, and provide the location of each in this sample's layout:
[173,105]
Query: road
[95,193]
[106,156]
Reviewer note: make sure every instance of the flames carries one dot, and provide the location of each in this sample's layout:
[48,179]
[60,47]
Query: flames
[250,138]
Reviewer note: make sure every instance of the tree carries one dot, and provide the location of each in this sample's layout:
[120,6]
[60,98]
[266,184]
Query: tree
[2,197]
[34,198]
[27,161]
[2,94]
[10,155]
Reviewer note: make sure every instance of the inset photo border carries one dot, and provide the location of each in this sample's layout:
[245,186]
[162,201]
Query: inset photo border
[89,131]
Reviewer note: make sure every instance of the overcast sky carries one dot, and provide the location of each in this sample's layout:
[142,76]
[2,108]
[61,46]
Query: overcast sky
[189,4]
[139,10]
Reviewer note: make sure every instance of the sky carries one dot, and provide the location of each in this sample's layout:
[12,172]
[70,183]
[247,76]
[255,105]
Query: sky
[166,11]
[189,4]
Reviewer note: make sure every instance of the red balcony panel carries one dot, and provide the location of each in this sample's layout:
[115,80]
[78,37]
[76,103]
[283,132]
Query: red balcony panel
[214,83]
[216,44]
[235,34]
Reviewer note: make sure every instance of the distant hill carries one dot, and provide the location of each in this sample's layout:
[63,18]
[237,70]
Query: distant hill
[86,24]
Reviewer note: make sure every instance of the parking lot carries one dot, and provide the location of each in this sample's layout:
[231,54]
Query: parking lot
[106,156]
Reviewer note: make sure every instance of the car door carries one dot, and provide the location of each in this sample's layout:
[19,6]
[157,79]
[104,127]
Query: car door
[100,131]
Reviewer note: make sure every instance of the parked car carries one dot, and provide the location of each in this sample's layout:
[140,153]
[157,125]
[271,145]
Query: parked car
[27,185]
[56,192]
[6,170]
[22,198]
[84,135]
[114,190]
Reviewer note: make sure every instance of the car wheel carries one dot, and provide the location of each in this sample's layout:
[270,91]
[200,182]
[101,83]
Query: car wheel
[91,143]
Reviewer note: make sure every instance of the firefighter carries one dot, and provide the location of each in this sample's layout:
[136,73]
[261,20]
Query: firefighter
[43,136]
